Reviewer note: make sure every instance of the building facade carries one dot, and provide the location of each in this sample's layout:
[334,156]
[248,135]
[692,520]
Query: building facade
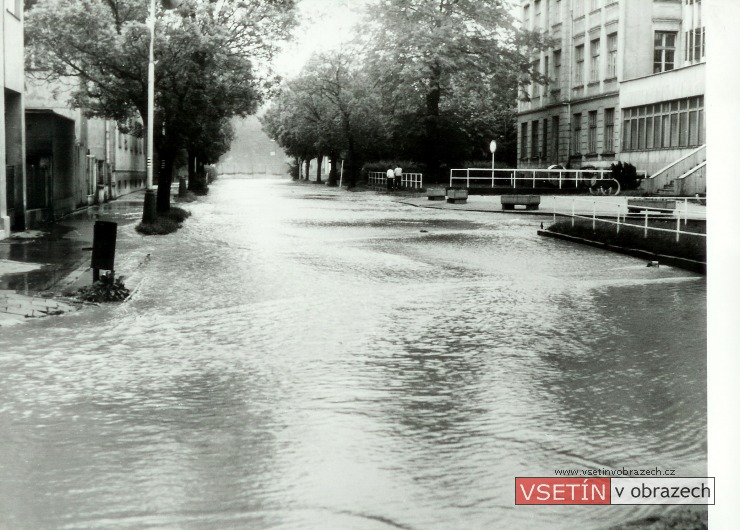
[12,127]
[73,161]
[625,81]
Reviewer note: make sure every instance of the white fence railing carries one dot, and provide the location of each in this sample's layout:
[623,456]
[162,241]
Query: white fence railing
[527,178]
[531,178]
[567,206]
[408,180]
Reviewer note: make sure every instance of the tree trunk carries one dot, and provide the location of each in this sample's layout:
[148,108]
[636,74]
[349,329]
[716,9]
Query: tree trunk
[197,182]
[318,168]
[308,167]
[433,97]
[333,169]
[165,183]
[350,166]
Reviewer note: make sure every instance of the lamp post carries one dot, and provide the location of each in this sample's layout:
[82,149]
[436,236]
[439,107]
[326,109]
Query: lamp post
[150,198]
[492,146]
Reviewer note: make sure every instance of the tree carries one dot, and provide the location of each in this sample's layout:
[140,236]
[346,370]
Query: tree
[449,71]
[207,52]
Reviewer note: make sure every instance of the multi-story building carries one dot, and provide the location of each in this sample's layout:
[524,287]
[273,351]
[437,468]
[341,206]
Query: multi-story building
[71,160]
[625,81]
[12,138]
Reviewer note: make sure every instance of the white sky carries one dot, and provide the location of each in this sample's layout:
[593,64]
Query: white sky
[323,25]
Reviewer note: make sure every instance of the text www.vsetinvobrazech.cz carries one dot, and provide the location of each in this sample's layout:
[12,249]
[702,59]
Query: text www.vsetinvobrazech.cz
[618,472]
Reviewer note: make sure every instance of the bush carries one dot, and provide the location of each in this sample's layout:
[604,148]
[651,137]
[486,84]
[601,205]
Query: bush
[632,236]
[165,223]
[408,166]
[626,175]
[106,289]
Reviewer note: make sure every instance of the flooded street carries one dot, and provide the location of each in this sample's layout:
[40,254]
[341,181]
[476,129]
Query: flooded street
[301,357]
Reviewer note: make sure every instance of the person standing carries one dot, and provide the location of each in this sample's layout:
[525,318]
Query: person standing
[397,177]
[389,178]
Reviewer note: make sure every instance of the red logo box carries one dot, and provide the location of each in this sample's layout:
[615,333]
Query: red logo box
[562,490]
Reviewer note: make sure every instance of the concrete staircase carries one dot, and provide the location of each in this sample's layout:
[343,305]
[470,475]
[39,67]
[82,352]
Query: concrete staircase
[685,176]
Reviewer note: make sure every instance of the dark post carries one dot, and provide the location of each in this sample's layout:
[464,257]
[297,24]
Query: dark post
[104,247]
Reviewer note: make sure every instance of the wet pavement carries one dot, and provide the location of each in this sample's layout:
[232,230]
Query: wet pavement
[40,268]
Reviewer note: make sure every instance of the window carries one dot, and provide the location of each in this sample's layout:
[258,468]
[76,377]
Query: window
[535,151]
[592,132]
[556,58]
[526,17]
[544,152]
[595,51]
[537,13]
[611,61]
[595,4]
[535,84]
[694,49]
[665,51]
[14,6]
[576,149]
[609,130]
[678,123]
[523,142]
[555,14]
[556,137]
[579,66]
[577,8]
[546,71]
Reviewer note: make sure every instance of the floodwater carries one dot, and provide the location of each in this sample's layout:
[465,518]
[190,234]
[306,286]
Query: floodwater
[299,357]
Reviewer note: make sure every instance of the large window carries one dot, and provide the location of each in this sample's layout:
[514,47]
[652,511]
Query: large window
[535,151]
[526,17]
[523,142]
[537,14]
[595,4]
[555,11]
[609,130]
[577,8]
[595,51]
[678,123]
[555,137]
[592,146]
[611,62]
[556,58]
[576,147]
[546,71]
[535,83]
[664,58]
[694,45]
[544,153]
[579,66]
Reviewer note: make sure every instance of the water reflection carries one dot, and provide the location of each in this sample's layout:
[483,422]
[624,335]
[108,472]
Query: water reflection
[312,359]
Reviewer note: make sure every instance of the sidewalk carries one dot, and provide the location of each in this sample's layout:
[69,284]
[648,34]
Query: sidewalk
[38,266]
[601,206]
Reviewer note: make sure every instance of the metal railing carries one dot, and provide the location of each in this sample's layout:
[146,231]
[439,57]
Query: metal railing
[408,180]
[597,215]
[529,178]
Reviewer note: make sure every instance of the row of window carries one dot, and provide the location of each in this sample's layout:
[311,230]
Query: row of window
[592,132]
[672,124]
[678,123]
[555,10]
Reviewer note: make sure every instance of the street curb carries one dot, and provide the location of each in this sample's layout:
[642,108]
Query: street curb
[445,207]
[674,261]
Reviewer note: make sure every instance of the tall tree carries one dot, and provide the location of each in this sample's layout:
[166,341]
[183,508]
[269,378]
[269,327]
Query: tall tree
[441,63]
[206,54]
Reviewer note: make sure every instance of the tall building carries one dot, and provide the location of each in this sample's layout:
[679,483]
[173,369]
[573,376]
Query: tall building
[625,82]
[12,138]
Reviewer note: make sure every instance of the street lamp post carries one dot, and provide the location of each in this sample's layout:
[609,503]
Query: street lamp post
[150,198]
[493,160]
